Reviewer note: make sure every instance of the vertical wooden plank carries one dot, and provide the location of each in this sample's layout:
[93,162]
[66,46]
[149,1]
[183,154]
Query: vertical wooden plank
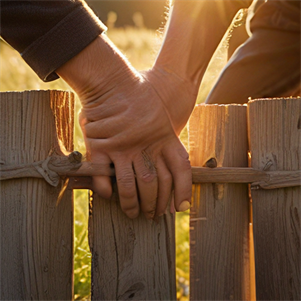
[36,235]
[131,259]
[219,217]
[275,144]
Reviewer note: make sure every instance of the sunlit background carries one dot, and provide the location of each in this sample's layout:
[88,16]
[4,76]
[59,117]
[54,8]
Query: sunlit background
[136,29]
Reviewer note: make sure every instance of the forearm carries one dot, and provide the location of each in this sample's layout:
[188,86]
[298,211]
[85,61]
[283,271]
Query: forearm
[96,70]
[125,123]
[194,32]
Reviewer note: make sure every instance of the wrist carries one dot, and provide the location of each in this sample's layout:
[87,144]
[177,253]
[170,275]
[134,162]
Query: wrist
[96,70]
[177,94]
[169,82]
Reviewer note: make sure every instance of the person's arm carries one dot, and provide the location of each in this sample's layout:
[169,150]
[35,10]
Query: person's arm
[267,64]
[123,118]
[194,31]
[125,122]
[48,33]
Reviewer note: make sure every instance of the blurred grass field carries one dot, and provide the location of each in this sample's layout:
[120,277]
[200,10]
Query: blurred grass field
[140,46]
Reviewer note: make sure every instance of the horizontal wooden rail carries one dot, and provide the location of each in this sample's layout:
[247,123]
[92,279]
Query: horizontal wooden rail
[227,175]
[72,167]
[257,178]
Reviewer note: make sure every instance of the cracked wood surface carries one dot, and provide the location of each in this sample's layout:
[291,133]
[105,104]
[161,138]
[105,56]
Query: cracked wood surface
[219,223]
[36,235]
[131,259]
[275,144]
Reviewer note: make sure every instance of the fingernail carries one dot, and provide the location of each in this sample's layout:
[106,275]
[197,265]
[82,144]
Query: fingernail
[185,205]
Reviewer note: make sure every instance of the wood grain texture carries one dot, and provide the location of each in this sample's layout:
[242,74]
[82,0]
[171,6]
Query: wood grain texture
[60,166]
[36,235]
[219,217]
[275,144]
[131,259]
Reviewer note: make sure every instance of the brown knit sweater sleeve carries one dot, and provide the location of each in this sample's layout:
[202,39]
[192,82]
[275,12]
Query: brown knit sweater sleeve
[48,33]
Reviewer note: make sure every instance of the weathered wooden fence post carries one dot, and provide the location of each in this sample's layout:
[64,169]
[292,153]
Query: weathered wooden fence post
[219,217]
[131,259]
[275,144]
[36,234]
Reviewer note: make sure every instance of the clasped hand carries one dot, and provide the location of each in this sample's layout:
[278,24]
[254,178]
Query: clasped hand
[129,126]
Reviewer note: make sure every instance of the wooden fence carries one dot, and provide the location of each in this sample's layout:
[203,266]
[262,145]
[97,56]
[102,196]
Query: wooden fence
[236,151]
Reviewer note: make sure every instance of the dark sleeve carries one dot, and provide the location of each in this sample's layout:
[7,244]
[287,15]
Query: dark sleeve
[48,33]
[282,15]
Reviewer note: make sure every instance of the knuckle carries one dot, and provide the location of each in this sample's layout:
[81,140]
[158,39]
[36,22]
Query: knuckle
[145,167]
[183,153]
[182,160]
[147,176]
[184,165]
[126,179]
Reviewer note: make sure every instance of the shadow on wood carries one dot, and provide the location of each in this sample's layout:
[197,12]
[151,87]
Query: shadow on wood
[36,235]
[219,217]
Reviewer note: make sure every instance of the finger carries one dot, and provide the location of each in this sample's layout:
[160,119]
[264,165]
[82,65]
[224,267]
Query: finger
[101,184]
[105,128]
[126,187]
[147,182]
[177,161]
[165,186]
[82,122]
[82,119]
[172,203]
[106,110]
